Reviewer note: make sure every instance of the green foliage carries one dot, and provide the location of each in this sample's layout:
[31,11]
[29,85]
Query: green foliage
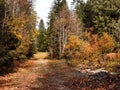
[58,28]
[41,25]
[32,49]
[102,15]
[42,38]
[85,11]
[17,29]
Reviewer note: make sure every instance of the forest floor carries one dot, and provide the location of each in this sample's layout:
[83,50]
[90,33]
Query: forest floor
[40,73]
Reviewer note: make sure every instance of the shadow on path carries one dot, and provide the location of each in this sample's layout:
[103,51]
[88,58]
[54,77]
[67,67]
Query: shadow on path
[44,74]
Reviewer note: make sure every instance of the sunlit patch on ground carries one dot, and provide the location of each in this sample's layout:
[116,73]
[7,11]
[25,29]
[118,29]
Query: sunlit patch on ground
[41,55]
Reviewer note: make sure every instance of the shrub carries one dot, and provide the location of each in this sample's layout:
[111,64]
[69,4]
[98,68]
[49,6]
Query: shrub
[106,43]
[73,48]
[92,50]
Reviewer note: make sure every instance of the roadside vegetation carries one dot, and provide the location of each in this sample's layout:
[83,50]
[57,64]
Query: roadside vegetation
[86,37]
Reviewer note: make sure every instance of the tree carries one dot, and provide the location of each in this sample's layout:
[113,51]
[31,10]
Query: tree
[41,25]
[85,12]
[58,28]
[17,26]
[9,41]
[99,16]
[42,37]
[76,25]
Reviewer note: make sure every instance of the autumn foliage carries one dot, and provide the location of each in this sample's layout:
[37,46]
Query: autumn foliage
[92,49]
[73,47]
[17,31]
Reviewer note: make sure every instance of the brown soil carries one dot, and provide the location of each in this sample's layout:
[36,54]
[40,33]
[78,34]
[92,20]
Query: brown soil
[36,74]
[40,73]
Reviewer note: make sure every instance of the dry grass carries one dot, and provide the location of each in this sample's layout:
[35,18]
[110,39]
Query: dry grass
[41,55]
[30,63]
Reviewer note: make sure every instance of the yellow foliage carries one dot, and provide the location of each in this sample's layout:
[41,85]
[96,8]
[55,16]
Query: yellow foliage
[87,35]
[72,49]
[88,50]
[73,40]
[91,50]
[103,44]
[97,48]
[106,43]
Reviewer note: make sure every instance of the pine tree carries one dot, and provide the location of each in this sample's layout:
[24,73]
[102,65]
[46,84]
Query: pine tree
[17,26]
[101,15]
[42,37]
[41,25]
[8,41]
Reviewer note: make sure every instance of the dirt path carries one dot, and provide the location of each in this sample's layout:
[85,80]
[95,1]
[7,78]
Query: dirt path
[43,74]
[39,74]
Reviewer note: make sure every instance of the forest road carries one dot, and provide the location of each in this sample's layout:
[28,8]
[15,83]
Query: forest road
[41,73]
[38,74]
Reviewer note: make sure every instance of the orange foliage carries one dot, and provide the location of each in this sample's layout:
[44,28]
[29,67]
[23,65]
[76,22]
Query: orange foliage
[98,46]
[106,43]
[92,50]
[112,56]
[118,56]
[72,49]
[103,44]
[88,50]
[72,42]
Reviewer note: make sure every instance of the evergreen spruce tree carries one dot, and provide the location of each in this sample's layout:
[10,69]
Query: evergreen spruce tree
[42,37]
[17,30]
